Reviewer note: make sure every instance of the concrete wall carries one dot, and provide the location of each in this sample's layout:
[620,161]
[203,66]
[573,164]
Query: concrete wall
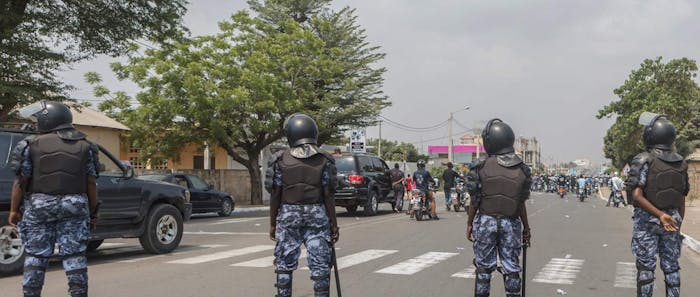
[106,137]
[232,181]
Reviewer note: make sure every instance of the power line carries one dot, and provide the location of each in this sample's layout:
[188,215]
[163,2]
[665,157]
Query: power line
[414,129]
[443,137]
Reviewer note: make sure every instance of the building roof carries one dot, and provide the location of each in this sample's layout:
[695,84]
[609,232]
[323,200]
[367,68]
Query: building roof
[90,117]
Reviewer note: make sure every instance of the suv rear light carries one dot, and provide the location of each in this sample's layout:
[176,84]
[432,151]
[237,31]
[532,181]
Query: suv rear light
[355,179]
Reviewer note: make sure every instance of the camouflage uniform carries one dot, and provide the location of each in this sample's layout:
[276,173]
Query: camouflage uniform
[306,224]
[49,220]
[497,238]
[649,239]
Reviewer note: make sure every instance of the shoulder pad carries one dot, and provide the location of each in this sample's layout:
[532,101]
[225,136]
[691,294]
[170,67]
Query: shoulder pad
[477,163]
[639,160]
[526,169]
[71,134]
[17,153]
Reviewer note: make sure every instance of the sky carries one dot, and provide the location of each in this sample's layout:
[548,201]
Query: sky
[544,66]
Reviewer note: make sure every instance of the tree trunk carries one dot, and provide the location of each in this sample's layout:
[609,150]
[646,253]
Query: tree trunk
[255,177]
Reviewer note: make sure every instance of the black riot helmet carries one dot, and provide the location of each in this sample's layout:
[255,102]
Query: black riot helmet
[498,138]
[301,129]
[421,163]
[660,133]
[49,115]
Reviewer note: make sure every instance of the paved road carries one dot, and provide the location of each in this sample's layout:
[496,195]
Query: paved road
[580,248]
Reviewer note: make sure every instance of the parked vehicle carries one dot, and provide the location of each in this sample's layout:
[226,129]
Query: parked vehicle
[363,180]
[203,196]
[151,211]
[459,196]
[419,205]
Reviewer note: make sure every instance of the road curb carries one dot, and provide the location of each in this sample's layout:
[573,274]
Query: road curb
[689,241]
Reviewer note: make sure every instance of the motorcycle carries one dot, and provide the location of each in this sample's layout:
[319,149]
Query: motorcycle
[581,192]
[459,197]
[562,191]
[617,198]
[420,205]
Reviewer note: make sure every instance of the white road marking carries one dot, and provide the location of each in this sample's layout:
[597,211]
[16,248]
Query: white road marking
[264,261]
[223,233]
[626,275]
[233,221]
[469,272]
[223,255]
[559,271]
[362,257]
[412,266]
[139,259]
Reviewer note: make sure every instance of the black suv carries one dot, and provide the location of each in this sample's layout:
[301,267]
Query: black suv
[153,211]
[204,197]
[363,180]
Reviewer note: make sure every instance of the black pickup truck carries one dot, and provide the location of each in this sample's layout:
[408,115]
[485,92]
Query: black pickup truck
[152,211]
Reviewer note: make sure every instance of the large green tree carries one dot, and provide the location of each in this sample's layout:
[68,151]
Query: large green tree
[664,88]
[38,38]
[234,89]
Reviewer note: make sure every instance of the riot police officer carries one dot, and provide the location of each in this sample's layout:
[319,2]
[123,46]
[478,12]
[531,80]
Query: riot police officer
[497,222]
[57,171]
[657,185]
[302,206]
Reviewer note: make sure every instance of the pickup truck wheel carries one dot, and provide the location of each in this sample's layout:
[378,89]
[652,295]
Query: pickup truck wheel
[163,229]
[226,207]
[371,206]
[11,250]
[351,209]
[94,244]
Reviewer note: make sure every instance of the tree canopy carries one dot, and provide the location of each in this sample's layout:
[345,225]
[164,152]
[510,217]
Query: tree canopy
[395,151]
[234,89]
[38,38]
[663,88]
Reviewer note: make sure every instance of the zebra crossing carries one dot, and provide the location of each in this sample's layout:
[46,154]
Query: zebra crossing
[558,271]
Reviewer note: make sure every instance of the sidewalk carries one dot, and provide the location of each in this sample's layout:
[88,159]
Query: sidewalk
[250,208]
[691,222]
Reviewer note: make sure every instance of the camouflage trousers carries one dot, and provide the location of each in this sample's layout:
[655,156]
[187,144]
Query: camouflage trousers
[50,220]
[649,239]
[496,238]
[308,225]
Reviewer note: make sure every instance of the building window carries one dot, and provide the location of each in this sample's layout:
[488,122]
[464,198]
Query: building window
[198,162]
[136,163]
[133,149]
[162,165]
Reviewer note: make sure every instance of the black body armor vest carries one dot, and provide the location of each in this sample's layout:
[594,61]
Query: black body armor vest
[501,189]
[301,179]
[665,185]
[59,165]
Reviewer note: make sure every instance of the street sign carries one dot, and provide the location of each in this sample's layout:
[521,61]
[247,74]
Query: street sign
[357,140]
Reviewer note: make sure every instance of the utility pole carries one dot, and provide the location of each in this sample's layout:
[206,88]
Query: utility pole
[379,146]
[449,133]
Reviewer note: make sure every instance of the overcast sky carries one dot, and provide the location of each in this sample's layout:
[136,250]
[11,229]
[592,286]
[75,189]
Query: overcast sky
[544,67]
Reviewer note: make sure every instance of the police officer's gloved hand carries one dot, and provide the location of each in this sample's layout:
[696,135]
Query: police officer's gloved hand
[335,234]
[526,237]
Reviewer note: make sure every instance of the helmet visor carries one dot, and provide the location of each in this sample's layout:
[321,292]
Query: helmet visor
[647,118]
[29,111]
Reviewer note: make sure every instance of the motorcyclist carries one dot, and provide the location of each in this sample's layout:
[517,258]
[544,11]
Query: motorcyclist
[449,176]
[581,183]
[616,184]
[424,181]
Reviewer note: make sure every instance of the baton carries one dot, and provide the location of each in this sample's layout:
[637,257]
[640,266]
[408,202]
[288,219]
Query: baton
[524,278]
[335,269]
